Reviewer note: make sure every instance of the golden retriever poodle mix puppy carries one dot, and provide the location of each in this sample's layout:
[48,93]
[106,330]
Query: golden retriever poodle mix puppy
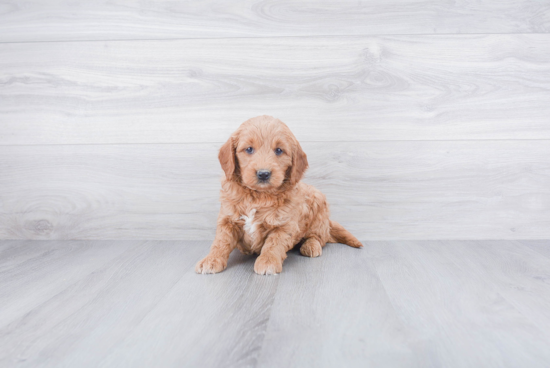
[265,208]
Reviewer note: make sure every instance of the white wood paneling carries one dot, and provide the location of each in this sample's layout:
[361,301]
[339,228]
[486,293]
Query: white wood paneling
[379,190]
[326,89]
[54,20]
[422,119]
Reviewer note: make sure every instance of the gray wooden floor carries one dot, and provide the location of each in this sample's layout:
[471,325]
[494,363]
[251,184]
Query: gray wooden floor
[391,304]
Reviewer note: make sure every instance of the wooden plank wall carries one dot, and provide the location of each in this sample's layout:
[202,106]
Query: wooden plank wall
[421,119]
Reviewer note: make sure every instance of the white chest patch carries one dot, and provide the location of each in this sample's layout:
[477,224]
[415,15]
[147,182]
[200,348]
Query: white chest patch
[249,225]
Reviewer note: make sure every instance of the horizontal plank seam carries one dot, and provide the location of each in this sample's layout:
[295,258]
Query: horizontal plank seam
[209,239]
[364,240]
[281,37]
[301,141]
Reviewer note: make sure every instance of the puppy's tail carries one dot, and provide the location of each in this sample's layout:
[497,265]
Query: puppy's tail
[340,235]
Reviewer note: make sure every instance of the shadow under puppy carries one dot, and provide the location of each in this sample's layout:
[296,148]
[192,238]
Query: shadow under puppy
[265,208]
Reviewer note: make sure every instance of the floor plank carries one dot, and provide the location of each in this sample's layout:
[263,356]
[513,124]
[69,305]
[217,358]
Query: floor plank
[86,318]
[327,89]
[458,318]
[379,190]
[540,246]
[50,268]
[80,20]
[519,273]
[334,311]
[205,320]
[393,303]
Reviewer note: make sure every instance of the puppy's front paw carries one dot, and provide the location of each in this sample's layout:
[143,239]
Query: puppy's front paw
[211,265]
[311,248]
[268,265]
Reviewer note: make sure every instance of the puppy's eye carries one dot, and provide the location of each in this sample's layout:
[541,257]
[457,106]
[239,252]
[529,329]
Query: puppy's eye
[249,150]
[278,151]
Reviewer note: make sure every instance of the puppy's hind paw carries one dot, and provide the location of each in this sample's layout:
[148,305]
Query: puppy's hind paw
[210,265]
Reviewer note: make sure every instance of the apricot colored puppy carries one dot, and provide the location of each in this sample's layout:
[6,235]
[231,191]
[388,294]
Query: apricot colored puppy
[265,209]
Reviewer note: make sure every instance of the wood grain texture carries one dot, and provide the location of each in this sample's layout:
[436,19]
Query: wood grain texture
[517,271]
[378,190]
[54,20]
[393,303]
[334,311]
[455,315]
[151,286]
[326,89]
[212,321]
[540,246]
[39,264]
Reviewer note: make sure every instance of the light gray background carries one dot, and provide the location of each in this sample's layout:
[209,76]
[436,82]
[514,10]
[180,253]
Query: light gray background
[421,119]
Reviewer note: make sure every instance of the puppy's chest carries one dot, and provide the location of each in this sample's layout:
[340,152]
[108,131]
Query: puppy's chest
[256,221]
[251,223]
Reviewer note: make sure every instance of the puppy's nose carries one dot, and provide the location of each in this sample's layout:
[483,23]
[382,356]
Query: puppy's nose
[263,174]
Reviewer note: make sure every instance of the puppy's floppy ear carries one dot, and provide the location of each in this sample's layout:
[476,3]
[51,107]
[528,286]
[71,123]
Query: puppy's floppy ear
[227,158]
[299,164]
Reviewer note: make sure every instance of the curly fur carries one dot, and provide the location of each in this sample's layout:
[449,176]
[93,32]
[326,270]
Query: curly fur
[269,218]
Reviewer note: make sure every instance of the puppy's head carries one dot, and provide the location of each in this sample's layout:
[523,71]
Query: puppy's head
[263,155]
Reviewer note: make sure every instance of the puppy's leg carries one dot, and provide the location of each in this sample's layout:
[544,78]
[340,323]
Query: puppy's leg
[227,235]
[270,260]
[311,248]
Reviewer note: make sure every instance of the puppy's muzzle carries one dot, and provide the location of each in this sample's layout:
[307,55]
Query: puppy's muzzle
[263,175]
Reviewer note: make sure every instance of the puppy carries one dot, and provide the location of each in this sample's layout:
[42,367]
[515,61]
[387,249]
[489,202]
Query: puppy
[265,208]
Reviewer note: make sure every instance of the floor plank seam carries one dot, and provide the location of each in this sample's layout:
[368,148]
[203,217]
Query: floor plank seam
[138,323]
[262,345]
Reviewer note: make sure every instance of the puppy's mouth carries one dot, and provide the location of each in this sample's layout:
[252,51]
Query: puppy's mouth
[263,185]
